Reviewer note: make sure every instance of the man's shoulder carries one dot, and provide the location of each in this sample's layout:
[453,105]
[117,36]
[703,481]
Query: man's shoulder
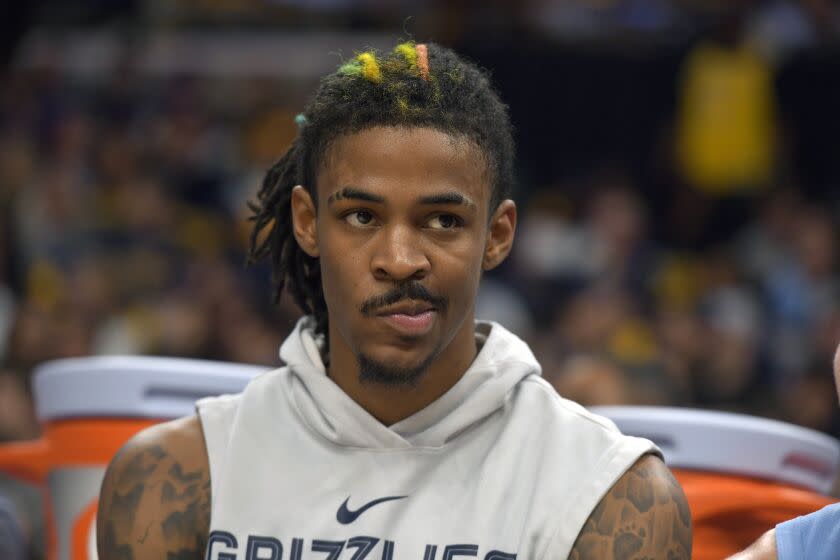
[155,498]
[536,396]
[644,514]
[179,441]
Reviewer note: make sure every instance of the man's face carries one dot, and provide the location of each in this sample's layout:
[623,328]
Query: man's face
[402,234]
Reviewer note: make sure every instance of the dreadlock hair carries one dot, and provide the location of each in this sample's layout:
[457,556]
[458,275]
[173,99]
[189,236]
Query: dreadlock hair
[415,85]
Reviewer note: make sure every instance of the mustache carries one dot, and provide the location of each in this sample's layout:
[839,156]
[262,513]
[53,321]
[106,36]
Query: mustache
[411,290]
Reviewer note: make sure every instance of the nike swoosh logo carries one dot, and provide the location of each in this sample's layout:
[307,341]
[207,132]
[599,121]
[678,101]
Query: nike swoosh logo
[345,516]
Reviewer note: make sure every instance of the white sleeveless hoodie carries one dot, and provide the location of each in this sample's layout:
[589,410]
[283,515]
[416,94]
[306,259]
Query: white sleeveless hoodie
[499,467]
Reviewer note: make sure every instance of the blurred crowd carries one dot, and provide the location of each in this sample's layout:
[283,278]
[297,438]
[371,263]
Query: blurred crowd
[124,229]
[782,22]
[749,324]
[124,225]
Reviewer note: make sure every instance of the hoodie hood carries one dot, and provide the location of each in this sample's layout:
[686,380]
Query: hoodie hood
[502,362]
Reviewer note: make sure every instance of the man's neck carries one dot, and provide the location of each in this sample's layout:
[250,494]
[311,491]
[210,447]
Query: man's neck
[391,403]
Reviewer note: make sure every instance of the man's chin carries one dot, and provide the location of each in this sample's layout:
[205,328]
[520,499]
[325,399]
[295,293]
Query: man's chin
[394,373]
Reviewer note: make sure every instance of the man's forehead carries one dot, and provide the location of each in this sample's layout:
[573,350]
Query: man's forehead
[455,142]
[405,164]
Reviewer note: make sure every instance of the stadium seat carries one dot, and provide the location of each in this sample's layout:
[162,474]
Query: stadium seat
[741,474]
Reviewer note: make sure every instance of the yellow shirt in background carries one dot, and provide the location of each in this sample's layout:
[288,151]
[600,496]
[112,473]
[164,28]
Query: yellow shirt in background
[726,120]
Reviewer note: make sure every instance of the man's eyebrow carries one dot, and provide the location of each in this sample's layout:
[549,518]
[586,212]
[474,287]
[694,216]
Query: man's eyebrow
[354,193]
[451,197]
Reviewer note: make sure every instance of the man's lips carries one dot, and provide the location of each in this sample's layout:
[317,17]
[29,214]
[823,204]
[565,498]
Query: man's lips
[409,318]
[406,308]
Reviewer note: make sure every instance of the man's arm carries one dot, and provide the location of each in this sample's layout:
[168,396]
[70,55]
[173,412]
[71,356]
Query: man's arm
[155,498]
[644,516]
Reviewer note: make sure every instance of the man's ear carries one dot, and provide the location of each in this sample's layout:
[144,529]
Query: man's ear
[501,234]
[305,221]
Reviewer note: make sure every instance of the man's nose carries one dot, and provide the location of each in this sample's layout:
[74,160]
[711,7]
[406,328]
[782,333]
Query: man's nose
[399,255]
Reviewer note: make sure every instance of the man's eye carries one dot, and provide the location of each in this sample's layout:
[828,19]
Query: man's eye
[360,218]
[444,222]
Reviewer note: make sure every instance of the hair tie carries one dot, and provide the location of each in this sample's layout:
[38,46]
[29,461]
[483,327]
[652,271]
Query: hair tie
[409,53]
[301,120]
[423,60]
[370,68]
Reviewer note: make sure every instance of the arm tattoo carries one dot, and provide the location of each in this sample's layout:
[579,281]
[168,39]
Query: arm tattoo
[644,516]
[151,498]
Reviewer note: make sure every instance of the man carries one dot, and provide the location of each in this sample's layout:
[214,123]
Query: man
[400,427]
[815,536]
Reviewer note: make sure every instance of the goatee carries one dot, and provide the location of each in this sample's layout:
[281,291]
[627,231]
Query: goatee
[371,371]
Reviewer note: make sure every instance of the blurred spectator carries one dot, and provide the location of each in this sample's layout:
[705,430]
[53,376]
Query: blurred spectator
[12,543]
[726,136]
[21,519]
[803,291]
[812,400]
[17,415]
[549,257]
[779,27]
[7,317]
[766,243]
[590,381]
[730,325]
[505,305]
[616,224]
[587,18]
[684,348]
